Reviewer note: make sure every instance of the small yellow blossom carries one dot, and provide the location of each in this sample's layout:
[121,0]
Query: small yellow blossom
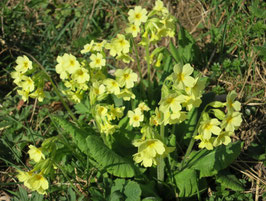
[232,121]
[24,94]
[70,63]
[27,84]
[23,64]
[38,93]
[17,76]
[182,77]
[35,154]
[231,104]
[99,46]
[205,143]
[159,7]
[135,117]
[112,86]
[208,127]
[223,138]
[137,16]
[126,94]
[87,48]
[148,151]
[116,112]
[81,75]
[97,61]
[143,107]
[126,77]
[173,102]
[118,45]
[156,119]
[133,29]
[37,182]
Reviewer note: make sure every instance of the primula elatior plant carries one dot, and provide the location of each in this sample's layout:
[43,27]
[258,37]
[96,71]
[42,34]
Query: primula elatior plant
[129,127]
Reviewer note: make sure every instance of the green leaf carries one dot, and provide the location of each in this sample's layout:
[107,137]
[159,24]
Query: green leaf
[132,191]
[211,162]
[174,52]
[93,146]
[186,182]
[108,159]
[229,180]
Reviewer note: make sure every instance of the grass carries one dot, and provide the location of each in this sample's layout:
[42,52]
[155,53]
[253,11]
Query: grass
[230,37]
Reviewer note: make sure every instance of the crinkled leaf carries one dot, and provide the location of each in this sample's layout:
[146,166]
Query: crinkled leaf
[210,162]
[229,180]
[92,145]
[186,182]
[132,191]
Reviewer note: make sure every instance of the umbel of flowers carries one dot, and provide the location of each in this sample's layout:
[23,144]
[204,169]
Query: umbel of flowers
[88,78]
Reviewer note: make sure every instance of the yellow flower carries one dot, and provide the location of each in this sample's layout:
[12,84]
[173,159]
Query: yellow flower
[116,112]
[24,176]
[197,89]
[112,86]
[126,77]
[97,92]
[121,44]
[137,16]
[17,76]
[160,7]
[23,64]
[148,151]
[205,143]
[87,48]
[172,101]
[60,68]
[133,29]
[81,75]
[232,121]
[177,117]
[67,64]
[38,93]
[37,182]
[70,63]
[156,119]
[223,138]
[208,127]
[126,94]
[135,117]
[143,107]
[35,154]
[101,111]
[231,104]
[24,94]
[27,84]
[107,128]
[118,45]
[182,77]
[97,61]
[99,46]
[191,102]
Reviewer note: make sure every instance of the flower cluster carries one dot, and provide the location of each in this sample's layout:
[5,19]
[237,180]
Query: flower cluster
[184,93]
[223,129]
[26,84]
[149,151]
[32,180]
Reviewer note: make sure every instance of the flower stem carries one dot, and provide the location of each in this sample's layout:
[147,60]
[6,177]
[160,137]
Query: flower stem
[137,57]
[147,52]
[161,164]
